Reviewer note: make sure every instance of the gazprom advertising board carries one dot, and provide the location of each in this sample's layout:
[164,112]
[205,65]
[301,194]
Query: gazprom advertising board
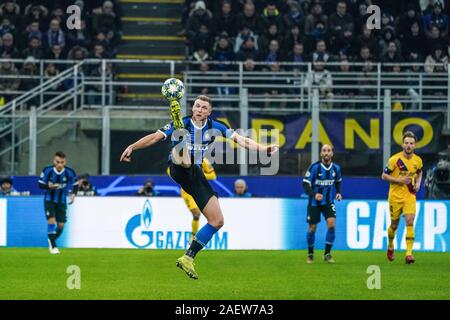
[252,223]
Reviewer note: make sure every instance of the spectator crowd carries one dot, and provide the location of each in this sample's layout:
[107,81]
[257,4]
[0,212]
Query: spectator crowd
[311,30]
[38,29]
[332,34]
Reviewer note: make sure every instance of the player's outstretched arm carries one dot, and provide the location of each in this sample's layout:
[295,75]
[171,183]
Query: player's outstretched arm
[250,144]
[142,143]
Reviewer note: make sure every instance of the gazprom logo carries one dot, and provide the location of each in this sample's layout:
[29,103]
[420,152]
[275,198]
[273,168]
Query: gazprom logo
[140,222]
[140,234]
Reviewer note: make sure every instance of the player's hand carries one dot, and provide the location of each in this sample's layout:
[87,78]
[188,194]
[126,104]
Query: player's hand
[53,186]
[404,180]
[319,197]
[338,196]
[273,149]
[71,198]
[126,155]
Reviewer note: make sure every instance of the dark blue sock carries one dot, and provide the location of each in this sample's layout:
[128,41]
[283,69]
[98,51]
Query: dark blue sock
[201,239]
[51,232]
[310,238]
[329,239]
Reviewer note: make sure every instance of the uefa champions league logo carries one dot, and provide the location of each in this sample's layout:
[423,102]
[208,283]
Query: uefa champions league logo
[141,221]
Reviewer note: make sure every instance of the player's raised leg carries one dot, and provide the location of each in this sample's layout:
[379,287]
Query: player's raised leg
[214,216]
[409,238]
[329,239]
[310,239]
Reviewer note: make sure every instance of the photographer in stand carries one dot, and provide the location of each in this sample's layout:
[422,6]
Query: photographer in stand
[148,190]
[85,187]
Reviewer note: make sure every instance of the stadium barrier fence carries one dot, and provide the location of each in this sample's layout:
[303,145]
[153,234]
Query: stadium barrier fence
[164,223]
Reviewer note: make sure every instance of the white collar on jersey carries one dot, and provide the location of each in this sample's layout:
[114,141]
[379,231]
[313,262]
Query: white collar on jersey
[58,173]
[195,126]
[323,166]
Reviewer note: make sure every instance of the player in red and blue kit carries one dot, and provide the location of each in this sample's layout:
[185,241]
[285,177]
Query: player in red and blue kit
[322,182]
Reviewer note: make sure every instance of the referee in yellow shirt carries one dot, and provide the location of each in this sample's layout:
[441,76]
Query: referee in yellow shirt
[404,173]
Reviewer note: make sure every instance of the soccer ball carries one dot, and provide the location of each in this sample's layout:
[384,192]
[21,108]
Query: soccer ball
[173,89]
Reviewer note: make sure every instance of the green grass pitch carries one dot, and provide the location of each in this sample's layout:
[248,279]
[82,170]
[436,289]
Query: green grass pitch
[151,274]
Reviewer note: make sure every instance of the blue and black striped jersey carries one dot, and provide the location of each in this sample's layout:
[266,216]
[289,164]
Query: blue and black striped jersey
[66,179]
[200,138]
[323,180]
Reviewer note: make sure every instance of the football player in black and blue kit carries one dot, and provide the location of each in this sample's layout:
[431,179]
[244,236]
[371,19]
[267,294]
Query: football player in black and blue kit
[199,131]
[322,182]
[58,181]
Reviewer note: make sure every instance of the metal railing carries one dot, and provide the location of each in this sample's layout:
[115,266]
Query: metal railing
[11,122]
[359,85]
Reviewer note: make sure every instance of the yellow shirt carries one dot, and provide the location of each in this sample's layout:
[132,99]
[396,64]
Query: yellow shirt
[399,166]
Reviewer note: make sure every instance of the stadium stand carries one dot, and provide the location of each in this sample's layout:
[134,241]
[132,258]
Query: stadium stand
[149,32]
[340,24]
[35,30]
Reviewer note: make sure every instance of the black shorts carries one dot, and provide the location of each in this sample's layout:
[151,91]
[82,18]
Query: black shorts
[55,210]
[194,182]
[313,216]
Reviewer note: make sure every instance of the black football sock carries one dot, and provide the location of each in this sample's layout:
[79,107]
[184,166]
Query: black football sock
[52,238]
[328,248]
[51,232]
[194,248]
